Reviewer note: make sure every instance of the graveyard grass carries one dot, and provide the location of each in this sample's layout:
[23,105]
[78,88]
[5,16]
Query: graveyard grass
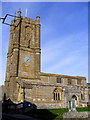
[52,113]
[83,109]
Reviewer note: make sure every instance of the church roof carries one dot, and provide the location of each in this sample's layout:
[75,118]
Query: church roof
[64,76]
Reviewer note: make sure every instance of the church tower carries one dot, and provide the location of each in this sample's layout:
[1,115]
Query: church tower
[25,82]
[23,58]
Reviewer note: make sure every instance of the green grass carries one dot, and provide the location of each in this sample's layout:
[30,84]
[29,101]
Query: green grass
[46,114]
[83,109]
[50,114]
[58,112]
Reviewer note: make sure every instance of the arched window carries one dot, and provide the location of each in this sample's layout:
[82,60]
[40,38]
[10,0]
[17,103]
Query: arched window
[54,96]
[82,95]
[57,95]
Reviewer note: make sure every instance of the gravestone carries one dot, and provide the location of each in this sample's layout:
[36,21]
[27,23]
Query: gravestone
[72,105]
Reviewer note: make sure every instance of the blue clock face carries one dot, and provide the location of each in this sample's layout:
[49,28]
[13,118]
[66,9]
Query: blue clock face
[27,59]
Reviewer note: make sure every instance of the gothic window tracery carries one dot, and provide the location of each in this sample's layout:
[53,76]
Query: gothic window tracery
[57,95]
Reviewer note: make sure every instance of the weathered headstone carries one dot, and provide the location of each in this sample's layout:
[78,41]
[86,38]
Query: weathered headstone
[73,107]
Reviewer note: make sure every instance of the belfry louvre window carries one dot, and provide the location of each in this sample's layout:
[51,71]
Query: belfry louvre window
[57,95]
[59,80]
[69,81]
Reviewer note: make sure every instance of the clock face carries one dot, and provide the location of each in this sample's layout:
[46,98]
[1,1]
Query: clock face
[27,59]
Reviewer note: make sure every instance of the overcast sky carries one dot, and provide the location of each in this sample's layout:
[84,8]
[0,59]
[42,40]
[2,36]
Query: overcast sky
[64,35]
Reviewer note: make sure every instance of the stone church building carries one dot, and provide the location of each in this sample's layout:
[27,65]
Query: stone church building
[25,81]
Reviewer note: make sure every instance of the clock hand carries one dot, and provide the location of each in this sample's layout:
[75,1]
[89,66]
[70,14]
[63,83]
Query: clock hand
[27,60]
